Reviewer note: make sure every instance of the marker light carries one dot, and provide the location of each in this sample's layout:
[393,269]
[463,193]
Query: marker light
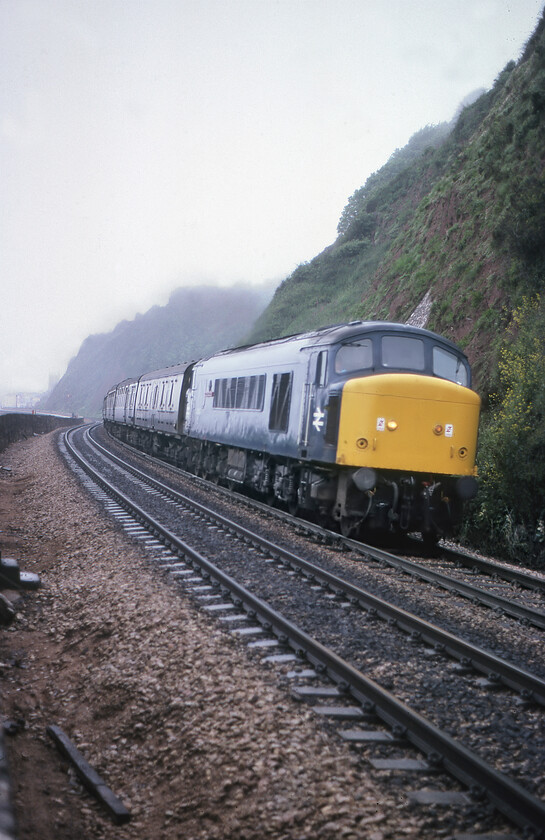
[438,430]
[391,425]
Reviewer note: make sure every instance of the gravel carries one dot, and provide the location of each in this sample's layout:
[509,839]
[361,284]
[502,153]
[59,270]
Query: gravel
[492,723]
[198,739]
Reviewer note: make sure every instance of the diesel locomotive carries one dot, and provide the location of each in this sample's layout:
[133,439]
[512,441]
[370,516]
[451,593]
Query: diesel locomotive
[371,426]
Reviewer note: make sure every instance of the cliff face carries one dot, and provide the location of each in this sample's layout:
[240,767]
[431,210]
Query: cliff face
[195,322]
[454,221]
[458,215]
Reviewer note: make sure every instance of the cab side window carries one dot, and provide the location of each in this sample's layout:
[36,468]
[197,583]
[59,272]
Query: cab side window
[358,355]
[449,366]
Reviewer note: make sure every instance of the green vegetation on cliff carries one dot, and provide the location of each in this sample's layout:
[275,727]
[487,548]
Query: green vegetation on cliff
[459,213]
[457,217]
[508,515]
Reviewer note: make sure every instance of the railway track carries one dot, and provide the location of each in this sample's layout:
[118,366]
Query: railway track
[482,581]
[225,584]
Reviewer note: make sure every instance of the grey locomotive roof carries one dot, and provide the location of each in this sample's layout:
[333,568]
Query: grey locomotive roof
[340,332]
[332,334]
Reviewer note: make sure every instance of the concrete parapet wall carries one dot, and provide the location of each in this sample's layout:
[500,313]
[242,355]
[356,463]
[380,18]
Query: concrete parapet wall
[16,426]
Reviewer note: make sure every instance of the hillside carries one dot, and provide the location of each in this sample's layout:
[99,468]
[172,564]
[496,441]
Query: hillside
[459,214]
[195,322]
[456,217]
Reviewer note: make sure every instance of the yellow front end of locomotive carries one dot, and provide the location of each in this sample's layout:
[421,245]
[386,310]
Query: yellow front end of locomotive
[408,422]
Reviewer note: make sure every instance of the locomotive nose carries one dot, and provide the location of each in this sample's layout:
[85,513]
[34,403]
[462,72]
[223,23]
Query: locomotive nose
[402,421]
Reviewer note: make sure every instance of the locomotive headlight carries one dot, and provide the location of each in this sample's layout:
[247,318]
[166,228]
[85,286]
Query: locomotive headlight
[391,425]
[438,430]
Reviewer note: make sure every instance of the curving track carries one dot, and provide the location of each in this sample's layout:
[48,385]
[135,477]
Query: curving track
[312,613]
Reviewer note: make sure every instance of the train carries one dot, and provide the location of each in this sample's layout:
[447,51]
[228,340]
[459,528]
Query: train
[369,427]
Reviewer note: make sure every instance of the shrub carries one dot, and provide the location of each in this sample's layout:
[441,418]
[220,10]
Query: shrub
[509,513]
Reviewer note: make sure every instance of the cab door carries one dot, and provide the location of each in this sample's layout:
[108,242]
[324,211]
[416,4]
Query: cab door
[313,413]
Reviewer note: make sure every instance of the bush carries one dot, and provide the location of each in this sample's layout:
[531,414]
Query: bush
[509,513]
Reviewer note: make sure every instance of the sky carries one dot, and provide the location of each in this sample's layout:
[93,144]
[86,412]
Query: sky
[150,144]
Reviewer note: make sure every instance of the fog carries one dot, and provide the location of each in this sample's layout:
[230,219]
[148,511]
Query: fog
[148,145]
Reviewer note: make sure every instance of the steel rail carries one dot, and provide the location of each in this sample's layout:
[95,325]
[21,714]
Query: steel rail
[531,686]
[510,798]
[496,602]
[494,569]
[474,593]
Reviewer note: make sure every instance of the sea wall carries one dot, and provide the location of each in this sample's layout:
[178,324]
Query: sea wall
[16,426]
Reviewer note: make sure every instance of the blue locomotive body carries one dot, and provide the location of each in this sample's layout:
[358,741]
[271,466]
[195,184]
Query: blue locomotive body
[302,420]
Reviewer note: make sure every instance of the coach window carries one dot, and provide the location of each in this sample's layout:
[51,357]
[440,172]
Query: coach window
[261,383]
[218,394]
[358,355]
[243,392]
[256,392]
[250,399]
[402,352]
[280,402]
[449,366]
[232,393]
[239,392]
